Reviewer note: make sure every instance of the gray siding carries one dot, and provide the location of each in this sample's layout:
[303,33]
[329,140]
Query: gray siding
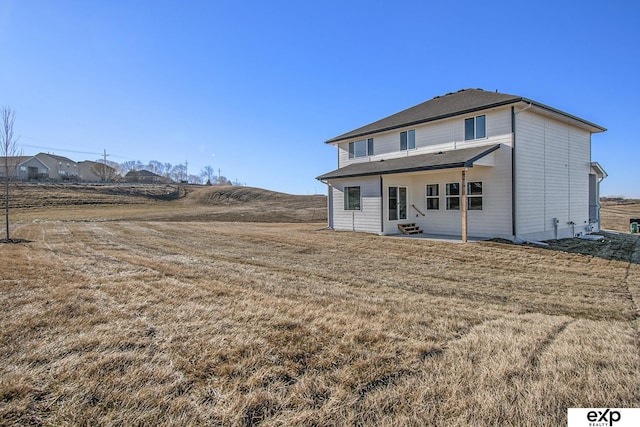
[494,220]
[552,166]
[443,135]
[368,217]
[552,172]
[60,168]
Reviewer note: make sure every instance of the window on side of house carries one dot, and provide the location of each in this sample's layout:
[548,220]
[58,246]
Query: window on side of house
[433,196]
[361,148]
[475,128]
[352,198]
[408,140]
[452,191]
[474,196]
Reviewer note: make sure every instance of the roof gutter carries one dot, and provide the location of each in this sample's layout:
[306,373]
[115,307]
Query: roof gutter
[562,113]
[417,122]
[467,111]
[407,170]
[458,164]
[599,169]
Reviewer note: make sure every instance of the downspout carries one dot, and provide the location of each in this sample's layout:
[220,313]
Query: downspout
[513,172]
[599,206]
[464,205]
[329,204]
[513,169]
[381,206]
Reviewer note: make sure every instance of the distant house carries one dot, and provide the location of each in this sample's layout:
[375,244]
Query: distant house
[60,168]
[470,163]
[144,177]
[25,169]
[89,171]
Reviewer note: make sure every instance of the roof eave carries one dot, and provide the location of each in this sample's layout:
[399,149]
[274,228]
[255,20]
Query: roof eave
[430,119]
[463,164]
[396,171]
[469,163]
[599,169]
[594,128]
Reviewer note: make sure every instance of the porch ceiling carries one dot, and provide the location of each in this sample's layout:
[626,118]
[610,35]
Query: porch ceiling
[422,162]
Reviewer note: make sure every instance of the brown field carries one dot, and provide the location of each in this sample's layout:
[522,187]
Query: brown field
[615,216]
[156,312]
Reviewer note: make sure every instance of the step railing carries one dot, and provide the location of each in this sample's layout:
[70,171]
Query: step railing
[418,210]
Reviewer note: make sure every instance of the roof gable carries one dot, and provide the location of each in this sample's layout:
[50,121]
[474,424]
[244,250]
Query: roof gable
[464,101]
[15,161]
[55,157]
[90,163]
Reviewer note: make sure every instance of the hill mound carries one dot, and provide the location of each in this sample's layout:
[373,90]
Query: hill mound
[51,194]
[227,195]
[242,204]
[165,203]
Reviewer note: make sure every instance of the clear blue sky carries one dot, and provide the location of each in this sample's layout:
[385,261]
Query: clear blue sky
[262,84]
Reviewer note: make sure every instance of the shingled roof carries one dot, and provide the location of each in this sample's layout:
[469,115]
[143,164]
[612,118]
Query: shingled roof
[464,101]
[56,157]
[422,162]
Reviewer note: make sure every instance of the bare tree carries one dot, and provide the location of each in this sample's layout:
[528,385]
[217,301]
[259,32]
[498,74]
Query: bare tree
[156,167]
[131,165]
[105,172]
[178,173]
[208,173]
[223,180]
[167,170]
[194,179]
[8,148]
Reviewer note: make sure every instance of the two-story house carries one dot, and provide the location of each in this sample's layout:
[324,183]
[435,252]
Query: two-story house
[472,164]
[89,171]
[60,167]
[24,169]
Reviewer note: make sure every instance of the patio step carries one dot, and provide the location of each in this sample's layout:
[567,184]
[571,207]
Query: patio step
[409,228]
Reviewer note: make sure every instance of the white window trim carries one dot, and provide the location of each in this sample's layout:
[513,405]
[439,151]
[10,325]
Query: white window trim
[436,197]
[447,196]
[406,209]
[414,140]
[475,127]
[475,196]
[368,143]
[346,198]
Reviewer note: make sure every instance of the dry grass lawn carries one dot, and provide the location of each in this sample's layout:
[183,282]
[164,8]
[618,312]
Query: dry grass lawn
[129,316]
[615,216]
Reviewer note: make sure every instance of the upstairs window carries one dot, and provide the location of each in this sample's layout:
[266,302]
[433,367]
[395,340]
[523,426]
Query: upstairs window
[475,128]
[453,196]
[408,140]
[433,197]
[361,148]
[351,198]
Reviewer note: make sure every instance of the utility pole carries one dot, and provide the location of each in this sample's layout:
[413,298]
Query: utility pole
[105,177]
[186,170]
[219,176]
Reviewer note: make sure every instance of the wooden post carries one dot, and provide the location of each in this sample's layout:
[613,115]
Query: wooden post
[464,205]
